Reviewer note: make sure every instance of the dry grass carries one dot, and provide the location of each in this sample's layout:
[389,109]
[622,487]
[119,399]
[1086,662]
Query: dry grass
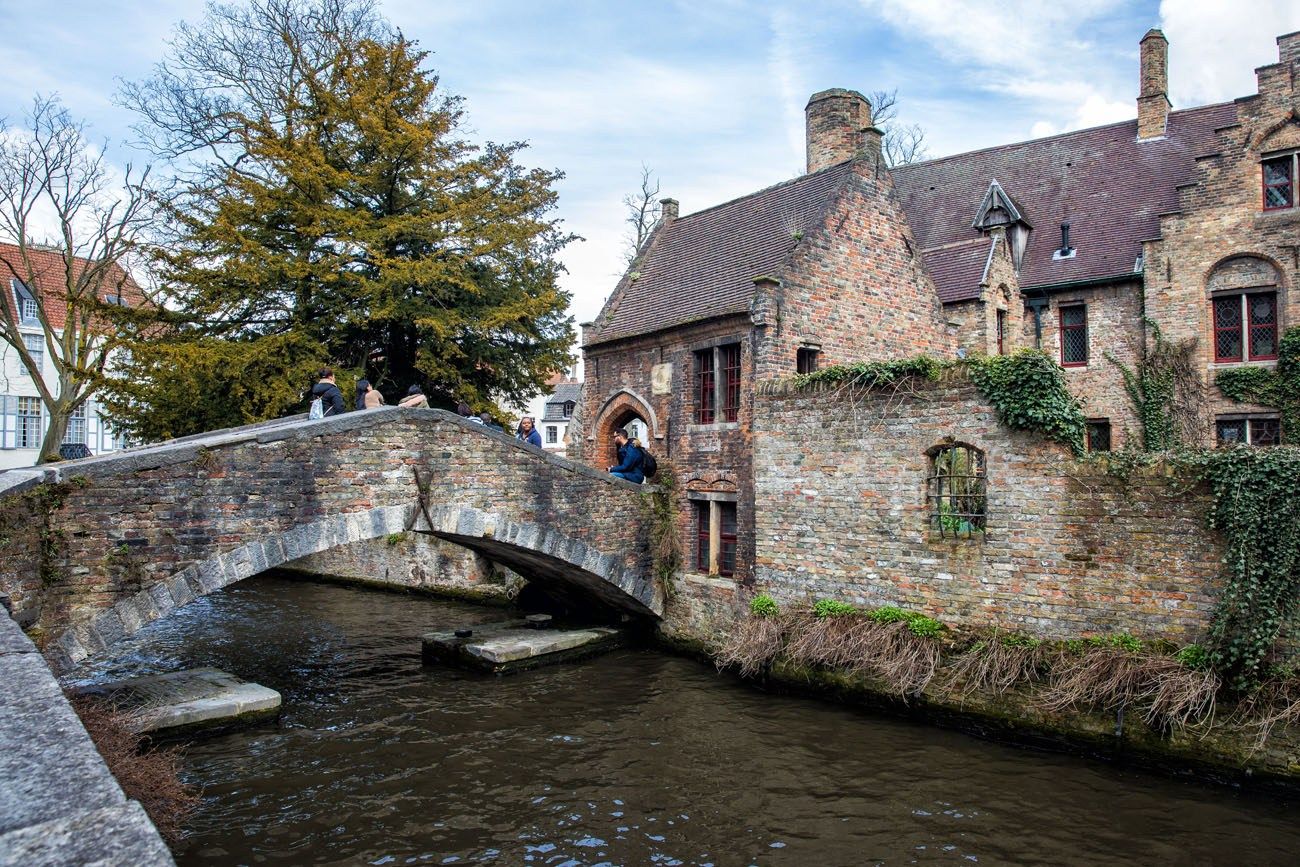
[752,645]
[994,666]
[886,651]
[1170,694]
[149,776]
[1276,702]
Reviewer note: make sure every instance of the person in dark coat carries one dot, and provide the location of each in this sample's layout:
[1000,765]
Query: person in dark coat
[330,397]
[528,433]
[630,459]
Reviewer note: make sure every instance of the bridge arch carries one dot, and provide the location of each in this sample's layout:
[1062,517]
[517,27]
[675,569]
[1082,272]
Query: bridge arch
[150,531]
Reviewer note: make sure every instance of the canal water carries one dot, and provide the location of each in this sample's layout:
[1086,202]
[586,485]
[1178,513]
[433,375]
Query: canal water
[633,758]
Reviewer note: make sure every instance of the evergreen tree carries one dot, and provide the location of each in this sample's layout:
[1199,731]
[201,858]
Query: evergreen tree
[337,216]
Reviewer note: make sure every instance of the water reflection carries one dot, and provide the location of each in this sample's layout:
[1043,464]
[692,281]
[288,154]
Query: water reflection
[632,758]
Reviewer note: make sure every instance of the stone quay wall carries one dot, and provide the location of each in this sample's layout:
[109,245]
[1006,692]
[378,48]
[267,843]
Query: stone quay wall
[1070,550]
[59,804]
[144,531]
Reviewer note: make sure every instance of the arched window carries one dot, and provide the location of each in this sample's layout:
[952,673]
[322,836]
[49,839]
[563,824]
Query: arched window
[956,491]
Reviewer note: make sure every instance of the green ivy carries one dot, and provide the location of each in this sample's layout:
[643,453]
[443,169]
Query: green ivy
[1164,388]
[917,623]
[873,374]
[763,605]
[1028,390]
[1277,388]
[1256,505]
[1119,641]
[1194,656]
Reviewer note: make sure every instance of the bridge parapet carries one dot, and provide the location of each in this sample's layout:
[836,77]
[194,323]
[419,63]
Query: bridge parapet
[139,533]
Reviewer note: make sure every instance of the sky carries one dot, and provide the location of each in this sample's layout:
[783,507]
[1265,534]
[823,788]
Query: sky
[709,94]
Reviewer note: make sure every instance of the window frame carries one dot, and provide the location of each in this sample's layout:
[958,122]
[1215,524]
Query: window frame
[1290,161]
[1250,427]
[36,352]
[718,378]
[77,422]
[35,426]
[1001,326]
[1097,424]
[973,498]
[716,550]
[25,301]
[807,359]
[568,408]
[1062,328]
[552,434]
[1243,329]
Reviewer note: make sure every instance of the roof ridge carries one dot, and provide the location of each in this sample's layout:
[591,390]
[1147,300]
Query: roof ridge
[761,191]
[1182,111]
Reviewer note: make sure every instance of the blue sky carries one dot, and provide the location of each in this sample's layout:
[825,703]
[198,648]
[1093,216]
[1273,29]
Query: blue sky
[709,93]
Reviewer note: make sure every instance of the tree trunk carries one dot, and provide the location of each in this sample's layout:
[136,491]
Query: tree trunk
[59,416]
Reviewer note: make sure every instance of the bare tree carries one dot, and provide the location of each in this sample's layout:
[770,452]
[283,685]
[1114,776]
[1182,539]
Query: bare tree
[642,214]
[70,225]
[901,144]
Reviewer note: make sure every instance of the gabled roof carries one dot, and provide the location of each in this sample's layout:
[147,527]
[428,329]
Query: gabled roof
[957,268]
[1110,187]
[564,392]
[703,265]
[47,278]
[997,198]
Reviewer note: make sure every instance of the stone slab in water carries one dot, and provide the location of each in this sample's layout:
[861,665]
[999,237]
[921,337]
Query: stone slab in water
[512,646]
[191,699]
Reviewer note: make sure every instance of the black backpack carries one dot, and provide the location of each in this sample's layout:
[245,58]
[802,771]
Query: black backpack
[649,466]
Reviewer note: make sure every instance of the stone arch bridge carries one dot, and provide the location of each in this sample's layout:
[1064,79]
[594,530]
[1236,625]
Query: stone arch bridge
[131,536]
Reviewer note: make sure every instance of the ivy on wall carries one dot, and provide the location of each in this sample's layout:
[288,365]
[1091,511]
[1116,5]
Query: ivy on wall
[1256,505]
[1166,390]
[1027,388]
[1278,388]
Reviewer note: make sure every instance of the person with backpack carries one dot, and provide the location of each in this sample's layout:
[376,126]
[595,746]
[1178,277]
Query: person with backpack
[630,460]
[326,399]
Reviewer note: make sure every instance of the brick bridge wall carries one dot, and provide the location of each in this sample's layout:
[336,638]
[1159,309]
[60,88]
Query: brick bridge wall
[141,532]
[1070,549]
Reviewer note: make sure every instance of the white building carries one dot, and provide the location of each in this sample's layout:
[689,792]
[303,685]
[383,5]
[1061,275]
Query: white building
[554,423]
[23,419]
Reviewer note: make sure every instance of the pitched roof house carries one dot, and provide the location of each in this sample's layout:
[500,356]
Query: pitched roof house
[1068,243]
[36,280]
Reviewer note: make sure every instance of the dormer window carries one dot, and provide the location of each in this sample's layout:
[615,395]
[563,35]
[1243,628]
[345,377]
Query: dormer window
[25,302]
[1279,182]
[998,210]
[568,408]
[115,300]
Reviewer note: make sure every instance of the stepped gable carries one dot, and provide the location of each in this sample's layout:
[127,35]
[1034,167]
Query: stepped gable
[703,265]
[1110,187]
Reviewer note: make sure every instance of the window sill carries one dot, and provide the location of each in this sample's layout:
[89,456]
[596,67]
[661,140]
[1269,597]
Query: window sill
[1227,365]
[716,426]
[1075,366]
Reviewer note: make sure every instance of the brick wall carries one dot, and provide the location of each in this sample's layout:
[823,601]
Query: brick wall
[1070,550]
[1221,216]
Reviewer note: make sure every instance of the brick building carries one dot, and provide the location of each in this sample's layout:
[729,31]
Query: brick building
[1190,218]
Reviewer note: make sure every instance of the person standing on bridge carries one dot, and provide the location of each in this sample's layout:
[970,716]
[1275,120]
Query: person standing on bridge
[330,397]
[630,459]
[368,397]
[527,433]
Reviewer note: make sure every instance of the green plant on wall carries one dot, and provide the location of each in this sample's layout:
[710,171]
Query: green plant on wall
[1278,388]
[1028,390]
[1256,505]
[660,509]
[1165,389]
[873,374]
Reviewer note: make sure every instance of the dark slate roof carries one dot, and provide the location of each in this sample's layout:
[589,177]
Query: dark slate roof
[704,264]
[1109,186]
[958,270]
[564,392]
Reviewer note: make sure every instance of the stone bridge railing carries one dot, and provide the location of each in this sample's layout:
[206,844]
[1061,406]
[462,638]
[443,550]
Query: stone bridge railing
[114,542]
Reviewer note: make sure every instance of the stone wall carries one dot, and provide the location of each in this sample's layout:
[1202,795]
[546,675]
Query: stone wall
[1070,550]
[147,530]
[412,561]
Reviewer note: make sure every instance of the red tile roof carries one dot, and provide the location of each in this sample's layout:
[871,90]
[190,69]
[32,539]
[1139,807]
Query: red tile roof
[1109,186]
[703,265]
[48,277]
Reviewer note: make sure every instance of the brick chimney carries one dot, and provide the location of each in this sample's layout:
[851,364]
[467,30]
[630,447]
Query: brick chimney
[668,210]
[1288,48]
[835,120]
[1153,99]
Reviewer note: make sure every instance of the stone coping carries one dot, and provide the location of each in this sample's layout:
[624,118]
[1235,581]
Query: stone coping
[186,449]
[59,804]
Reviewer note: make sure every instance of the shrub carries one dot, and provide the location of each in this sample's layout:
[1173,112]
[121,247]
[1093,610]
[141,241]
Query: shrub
[832,608]
[763,605]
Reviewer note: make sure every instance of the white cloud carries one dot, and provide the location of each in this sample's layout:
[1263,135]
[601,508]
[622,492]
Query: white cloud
[1214,46]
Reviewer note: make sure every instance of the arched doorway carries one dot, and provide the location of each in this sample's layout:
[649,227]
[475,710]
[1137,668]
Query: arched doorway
[627,412]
